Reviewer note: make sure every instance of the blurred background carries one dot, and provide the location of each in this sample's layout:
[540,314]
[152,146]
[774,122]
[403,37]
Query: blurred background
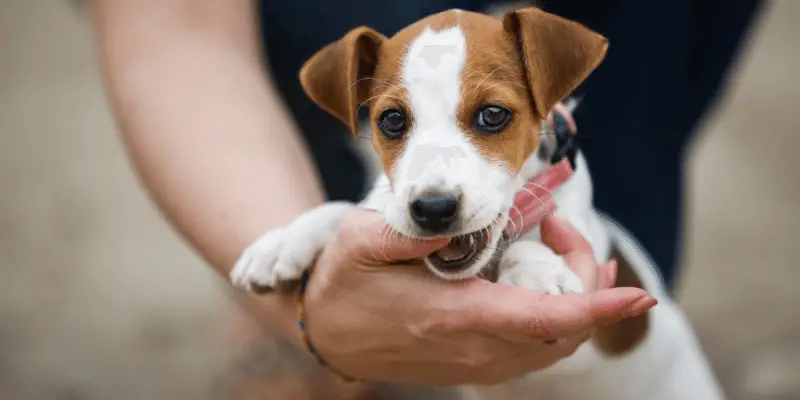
[99,299]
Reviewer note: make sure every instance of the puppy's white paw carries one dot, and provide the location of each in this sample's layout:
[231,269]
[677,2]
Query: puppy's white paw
[534,266]
[254,271]
[284,254]
[264,263]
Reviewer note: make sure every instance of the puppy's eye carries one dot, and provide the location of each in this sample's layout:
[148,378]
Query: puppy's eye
[491,119]
[392,123]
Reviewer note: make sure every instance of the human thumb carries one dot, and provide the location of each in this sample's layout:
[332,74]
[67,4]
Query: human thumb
[373,239]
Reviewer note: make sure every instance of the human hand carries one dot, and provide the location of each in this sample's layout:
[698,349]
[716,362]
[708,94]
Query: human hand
[374,321]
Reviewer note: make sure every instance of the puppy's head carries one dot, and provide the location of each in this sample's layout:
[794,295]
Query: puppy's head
[456,102]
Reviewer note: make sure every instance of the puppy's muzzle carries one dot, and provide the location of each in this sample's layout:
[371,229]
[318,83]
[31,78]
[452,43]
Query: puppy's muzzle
[435,213]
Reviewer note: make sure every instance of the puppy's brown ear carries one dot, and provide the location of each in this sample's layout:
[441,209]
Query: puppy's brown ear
[558,54]
[334,78]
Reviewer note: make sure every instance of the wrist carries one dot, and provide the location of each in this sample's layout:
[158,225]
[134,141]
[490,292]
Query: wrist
[302,325]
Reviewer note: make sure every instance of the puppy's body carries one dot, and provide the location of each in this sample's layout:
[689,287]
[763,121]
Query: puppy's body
[664,362]
[456,103]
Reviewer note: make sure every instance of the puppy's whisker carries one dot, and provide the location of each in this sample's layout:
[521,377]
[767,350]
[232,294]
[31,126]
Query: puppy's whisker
[541,187]
[526,190]
[381,81]
[389,238]
[367,78]
[376,96]
[395,235]
[386,237]
[494,248]
[363,238]
[511,219]
[510,70]
[487,77]
[491,86]
[500,83]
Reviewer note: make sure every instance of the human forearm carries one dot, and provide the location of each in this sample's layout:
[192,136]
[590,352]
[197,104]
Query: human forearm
[205,130]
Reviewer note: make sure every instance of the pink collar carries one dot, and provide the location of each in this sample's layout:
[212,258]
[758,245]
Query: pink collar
[535,200]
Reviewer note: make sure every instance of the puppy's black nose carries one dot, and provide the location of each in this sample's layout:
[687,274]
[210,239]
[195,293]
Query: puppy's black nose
[434,212]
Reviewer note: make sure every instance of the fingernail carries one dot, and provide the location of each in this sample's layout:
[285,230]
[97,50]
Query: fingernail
[612,273]
[641,305]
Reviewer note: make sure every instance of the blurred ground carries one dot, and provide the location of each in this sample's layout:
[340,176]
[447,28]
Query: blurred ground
[100,300]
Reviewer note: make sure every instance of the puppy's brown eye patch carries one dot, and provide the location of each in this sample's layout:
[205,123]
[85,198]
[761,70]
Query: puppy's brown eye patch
[492,119]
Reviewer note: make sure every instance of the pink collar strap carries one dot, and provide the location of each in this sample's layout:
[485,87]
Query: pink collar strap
[535,200]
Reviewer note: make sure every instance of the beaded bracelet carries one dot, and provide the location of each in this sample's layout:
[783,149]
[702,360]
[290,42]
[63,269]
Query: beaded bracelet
[301,323]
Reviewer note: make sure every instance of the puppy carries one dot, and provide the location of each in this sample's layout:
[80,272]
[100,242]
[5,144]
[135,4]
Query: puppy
[456,107]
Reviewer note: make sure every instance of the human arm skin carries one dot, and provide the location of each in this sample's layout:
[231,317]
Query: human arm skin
[207,133]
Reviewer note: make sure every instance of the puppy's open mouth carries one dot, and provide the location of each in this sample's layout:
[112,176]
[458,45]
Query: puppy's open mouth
[462,251]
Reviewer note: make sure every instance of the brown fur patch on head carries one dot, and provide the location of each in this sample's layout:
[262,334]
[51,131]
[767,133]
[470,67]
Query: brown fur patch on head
[525,63]
[388,91]
[494,76]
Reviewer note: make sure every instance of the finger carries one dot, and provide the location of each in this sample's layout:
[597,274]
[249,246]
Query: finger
[573,314]
[535,200]
[562,237]
[366,235]
[527,315]
[607,275]
[541,188]
[532,216]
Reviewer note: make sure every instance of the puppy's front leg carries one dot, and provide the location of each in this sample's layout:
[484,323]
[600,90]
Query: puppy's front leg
[283,254]
[534,266]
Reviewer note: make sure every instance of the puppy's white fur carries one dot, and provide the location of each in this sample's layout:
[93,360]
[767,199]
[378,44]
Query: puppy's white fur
[438,156]
[667,366]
